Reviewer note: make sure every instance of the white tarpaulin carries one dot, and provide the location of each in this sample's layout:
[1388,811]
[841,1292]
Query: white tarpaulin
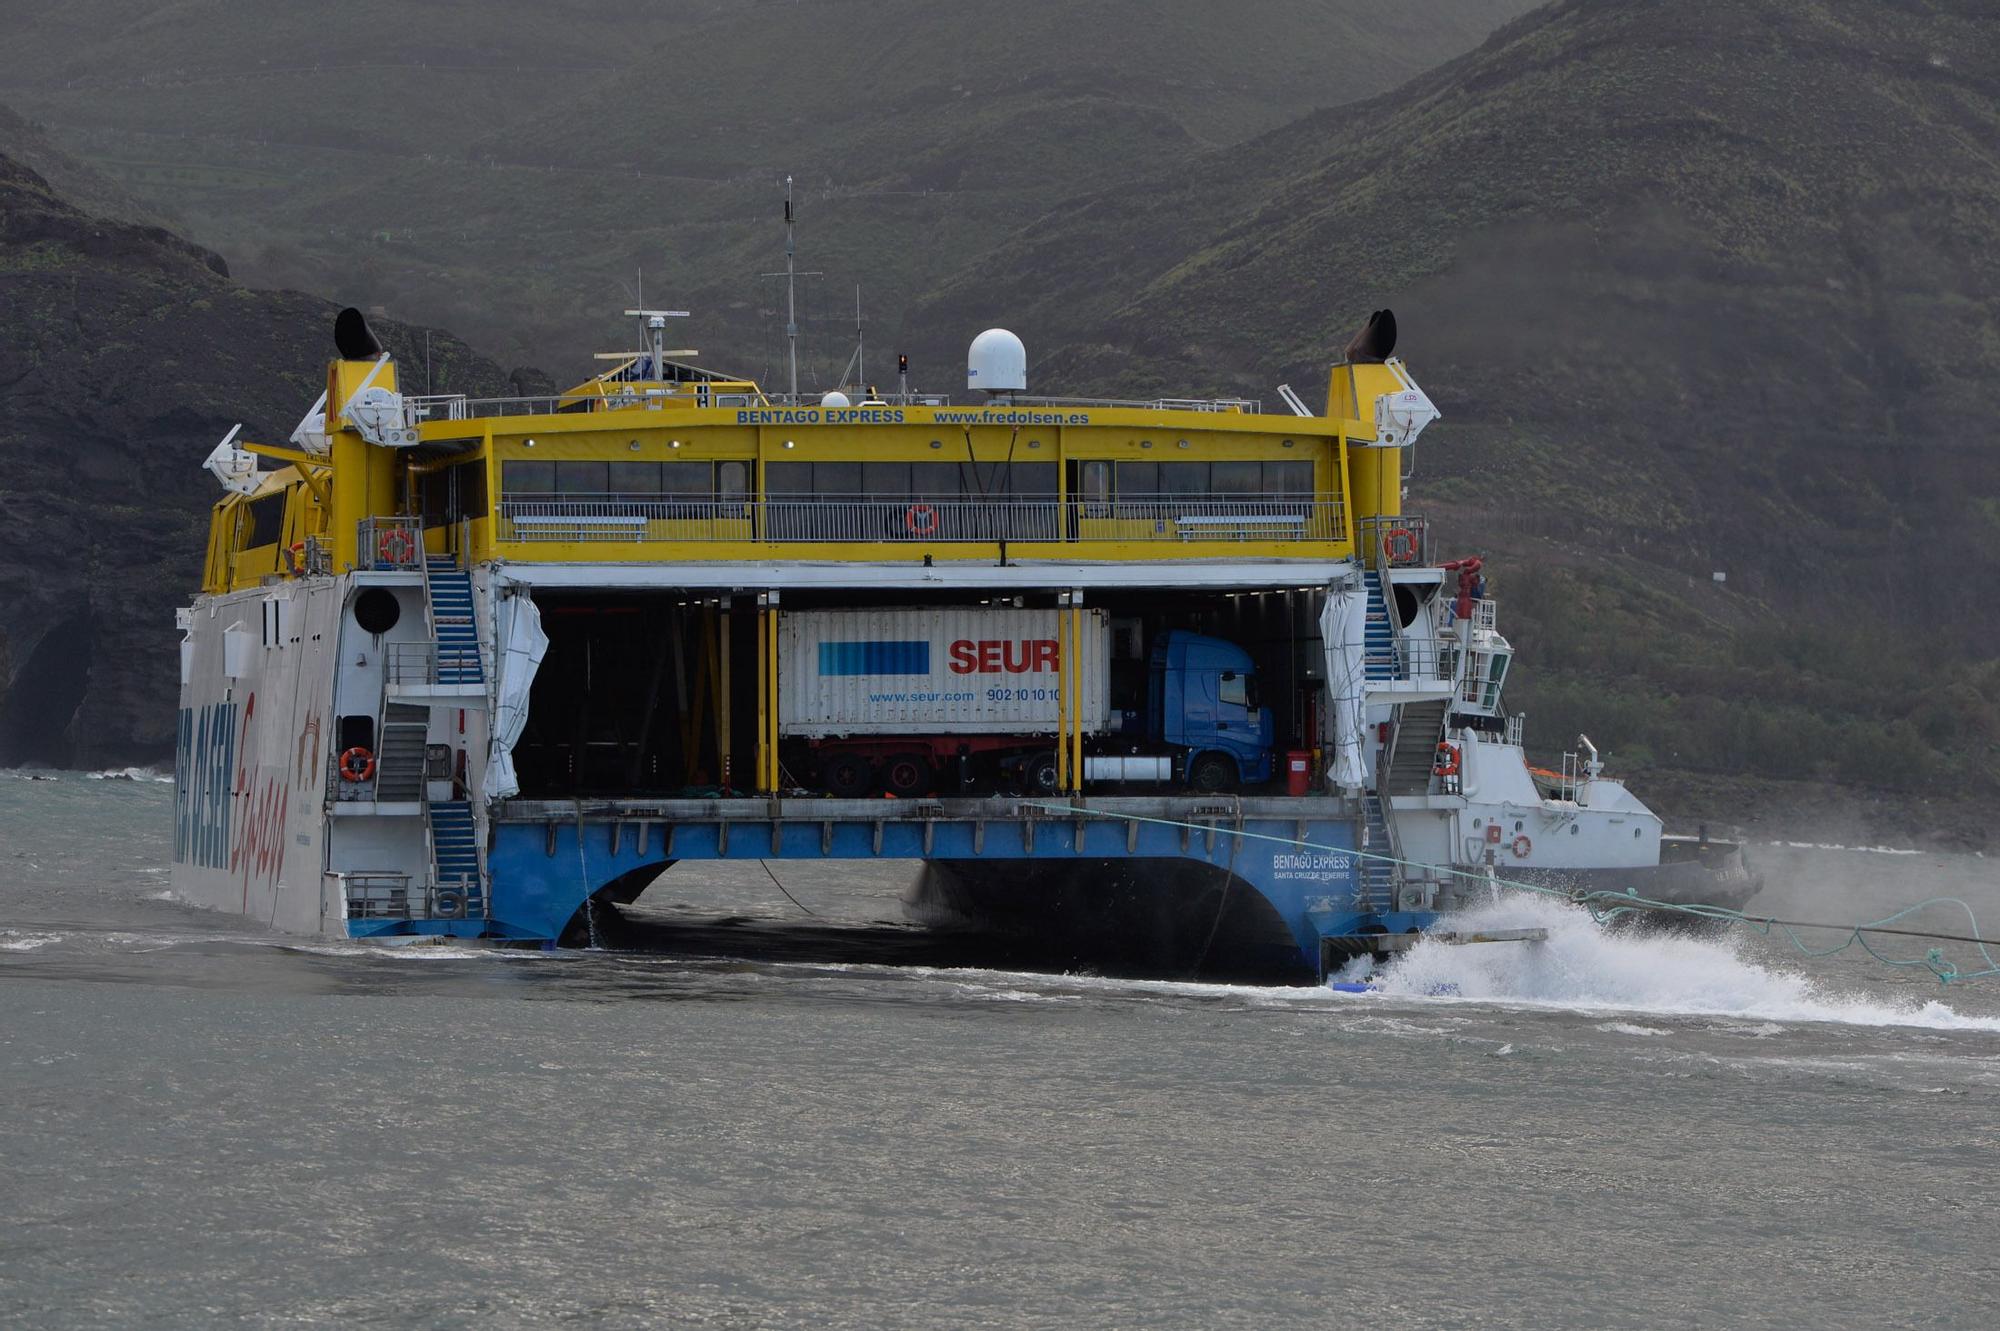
[522,644]
[1343,627]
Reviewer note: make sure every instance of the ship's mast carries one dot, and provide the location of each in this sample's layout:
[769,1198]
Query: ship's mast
[791,296]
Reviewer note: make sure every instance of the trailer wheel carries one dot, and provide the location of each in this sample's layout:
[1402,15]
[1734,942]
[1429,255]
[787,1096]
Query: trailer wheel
[1211,773]
[906,775]
[1038,774]
[846,776]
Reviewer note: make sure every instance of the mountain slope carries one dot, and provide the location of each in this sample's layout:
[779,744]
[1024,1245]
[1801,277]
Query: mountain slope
[125,354]
[517,181]
[1704,287]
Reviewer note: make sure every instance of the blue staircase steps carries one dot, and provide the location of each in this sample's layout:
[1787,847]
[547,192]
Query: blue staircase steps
[1378,655]
[454,845]
[457,634]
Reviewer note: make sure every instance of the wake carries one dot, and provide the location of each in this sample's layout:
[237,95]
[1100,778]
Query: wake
[1586,967]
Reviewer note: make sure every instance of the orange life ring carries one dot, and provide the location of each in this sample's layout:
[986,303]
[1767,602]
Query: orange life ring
[357,764]
[922,519]
[394,546]
[1447,760]
[295,559]
[1522,846]
[1400,546]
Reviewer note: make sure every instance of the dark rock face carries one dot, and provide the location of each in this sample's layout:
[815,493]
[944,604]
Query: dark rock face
[125,353]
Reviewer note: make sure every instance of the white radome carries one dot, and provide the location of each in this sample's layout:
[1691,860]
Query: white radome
[997,363]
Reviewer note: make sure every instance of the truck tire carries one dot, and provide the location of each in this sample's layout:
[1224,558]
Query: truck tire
[906,775]
[1038,774]
[846,776]
[1210,774]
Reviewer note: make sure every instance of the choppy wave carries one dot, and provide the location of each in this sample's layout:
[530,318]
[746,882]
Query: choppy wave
[146,774]
[1586,967]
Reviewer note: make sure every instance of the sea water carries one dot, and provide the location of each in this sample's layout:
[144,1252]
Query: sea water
[206,1123]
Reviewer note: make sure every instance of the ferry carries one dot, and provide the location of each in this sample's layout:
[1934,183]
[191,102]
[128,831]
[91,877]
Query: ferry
[1179,676]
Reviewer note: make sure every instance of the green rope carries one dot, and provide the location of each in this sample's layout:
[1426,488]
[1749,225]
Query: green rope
[1616,904]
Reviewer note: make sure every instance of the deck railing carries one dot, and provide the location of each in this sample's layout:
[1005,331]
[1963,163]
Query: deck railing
[418,408]
[1176,519]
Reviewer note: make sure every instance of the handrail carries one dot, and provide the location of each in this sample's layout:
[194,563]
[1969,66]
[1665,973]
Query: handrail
[418,408]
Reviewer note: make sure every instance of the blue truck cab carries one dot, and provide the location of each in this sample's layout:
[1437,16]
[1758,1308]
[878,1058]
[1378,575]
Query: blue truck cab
[1201,701]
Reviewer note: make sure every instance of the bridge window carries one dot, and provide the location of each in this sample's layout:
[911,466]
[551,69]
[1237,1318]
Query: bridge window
[527,478]
[635,478]
[267,521]
[583,478]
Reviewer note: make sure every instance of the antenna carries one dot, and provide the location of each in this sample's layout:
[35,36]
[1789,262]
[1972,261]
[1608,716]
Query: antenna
[860,365]
[791,276]
[656,334]
[791,293]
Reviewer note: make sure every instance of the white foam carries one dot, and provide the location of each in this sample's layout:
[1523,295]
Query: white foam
[13,941]
[1852,850]
[1586,967]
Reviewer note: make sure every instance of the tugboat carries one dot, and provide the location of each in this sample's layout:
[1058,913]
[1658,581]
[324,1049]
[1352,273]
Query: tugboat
[485,668]
[1440,763]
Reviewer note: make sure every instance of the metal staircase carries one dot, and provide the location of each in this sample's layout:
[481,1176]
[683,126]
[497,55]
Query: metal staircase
[455,854]
[1378,655]
[449,591]
[399,760]
[1419,728]
[1375,887]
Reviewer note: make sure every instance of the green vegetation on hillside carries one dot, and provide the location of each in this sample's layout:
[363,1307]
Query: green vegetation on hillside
[1700,287]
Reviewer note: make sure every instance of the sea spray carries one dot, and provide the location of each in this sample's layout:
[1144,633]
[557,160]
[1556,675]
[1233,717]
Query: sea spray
[1586,966]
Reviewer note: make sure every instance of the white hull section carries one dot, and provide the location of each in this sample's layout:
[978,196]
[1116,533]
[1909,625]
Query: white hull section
[275,684]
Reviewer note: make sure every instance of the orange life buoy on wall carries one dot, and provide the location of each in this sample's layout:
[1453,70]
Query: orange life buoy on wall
[1447,760]
[1522,846]
[922,519]
[357,764]
[394,546]
[1400,545]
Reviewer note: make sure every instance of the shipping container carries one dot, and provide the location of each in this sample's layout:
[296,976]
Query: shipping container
[945,670]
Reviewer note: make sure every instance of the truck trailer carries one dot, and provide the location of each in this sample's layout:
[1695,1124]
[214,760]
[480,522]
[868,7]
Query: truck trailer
[907,701]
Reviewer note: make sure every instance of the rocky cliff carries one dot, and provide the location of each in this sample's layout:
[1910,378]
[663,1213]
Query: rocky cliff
[125,353]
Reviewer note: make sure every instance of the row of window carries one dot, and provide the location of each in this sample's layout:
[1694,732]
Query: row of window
[688,480]
[1100,481]
[1104,481]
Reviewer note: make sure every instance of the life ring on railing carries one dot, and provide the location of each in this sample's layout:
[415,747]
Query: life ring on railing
[1447,760]
[295,559]
[1521,847]
[448,903]
[357,764]
[922,520]
[394,546]
[1399,545]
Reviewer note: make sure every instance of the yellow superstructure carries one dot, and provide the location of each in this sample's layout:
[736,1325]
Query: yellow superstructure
[674,471]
